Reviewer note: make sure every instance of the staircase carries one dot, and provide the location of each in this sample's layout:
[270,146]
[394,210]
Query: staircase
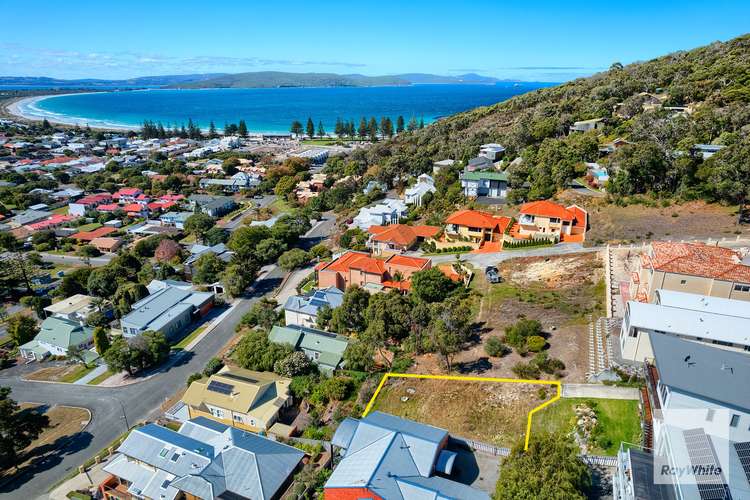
[600,345]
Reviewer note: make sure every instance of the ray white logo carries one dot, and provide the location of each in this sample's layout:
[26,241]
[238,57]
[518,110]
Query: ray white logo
[691,470]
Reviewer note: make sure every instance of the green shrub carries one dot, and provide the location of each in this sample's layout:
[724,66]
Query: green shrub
[193,377]
[535,343]
[494,347]
[526,370]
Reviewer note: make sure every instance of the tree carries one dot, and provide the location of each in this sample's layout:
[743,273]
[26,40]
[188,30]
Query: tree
[18,429]
[431,285]
[293,365]
[255,352]
[237,277]
[21,328]
[213,366]
[216,235]
[323,318]
[494,347]
[244,240]
[362,130]
[450,328]
[207,268]
[372,129]
[321,129]
[242,129]
[269,250]
[199,224]
[550,468]
[320,251]
[128,294]
[386,127]
[310,128]
[262,314]
[212,130]
[168,249]
[412,125]
[102,281]
[359,356]
[284,186]
[350,316]
[399,124]
[101,340]
[296,128]
[517,334]
[75,282]
[118,356]
[393,310]
[292,259]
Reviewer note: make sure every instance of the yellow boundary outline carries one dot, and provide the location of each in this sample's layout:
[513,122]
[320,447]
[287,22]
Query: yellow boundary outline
[459,378]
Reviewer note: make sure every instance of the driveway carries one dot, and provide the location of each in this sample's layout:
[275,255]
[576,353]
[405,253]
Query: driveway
[75,260]
[482,260]
[113,409]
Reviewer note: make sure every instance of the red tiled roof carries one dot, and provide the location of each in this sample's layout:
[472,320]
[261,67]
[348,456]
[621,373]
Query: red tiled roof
[128,192]
[172,197]
[59,159]
[476,218]
[402,234]
[52,221]
[698,259]
[546,208]
[355,260]
[110,207]
[403,260]
[93,199]
[160,205]
[133,207]
[96,233]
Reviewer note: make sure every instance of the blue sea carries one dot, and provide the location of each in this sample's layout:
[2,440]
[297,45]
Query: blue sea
[269,110]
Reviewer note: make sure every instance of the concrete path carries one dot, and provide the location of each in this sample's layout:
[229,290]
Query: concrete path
[598,391]
[91,375]
[483,260]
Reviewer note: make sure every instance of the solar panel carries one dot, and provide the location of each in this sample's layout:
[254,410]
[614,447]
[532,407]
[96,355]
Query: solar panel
[220,387]
[702,456]
[743,452]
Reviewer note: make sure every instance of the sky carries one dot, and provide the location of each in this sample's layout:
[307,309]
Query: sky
[540,40]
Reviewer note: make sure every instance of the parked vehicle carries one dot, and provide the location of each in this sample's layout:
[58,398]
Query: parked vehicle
[492,274]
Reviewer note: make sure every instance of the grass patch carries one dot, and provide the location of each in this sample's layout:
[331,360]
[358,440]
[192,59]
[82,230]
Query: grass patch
[75,375]
[279,206]
[63,373]
[619,421]
[100,378]
[89,227]
[308,287]
[61,210]
[182,344]
[320,142]
[188,240]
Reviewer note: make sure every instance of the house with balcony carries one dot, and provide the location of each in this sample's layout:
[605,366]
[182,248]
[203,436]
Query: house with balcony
[475,228]
[545,219]
[700,426]
[414,194]
[724,323]
[587,125]
[398,238]
[302,310]
[708,270]
[203,459]
[388,457]
[241,398]
[492,151]
[370,273]
[484,184]
[382,213]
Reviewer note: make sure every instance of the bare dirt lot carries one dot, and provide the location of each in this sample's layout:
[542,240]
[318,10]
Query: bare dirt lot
[560,291]
[489,412]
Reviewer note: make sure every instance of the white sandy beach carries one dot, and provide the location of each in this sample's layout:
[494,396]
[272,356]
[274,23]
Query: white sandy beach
[27,109]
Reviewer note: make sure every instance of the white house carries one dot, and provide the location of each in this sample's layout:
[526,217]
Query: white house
[385,212]
[491,151]
[413,195]
[303,310]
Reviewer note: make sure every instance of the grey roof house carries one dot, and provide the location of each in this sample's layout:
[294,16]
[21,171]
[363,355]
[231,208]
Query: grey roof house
[484,184]
[234,184]
[204,459]
[215,206]
[302,310]
[323,348]
[394,458]
[56,336]
[168,310]
[220,250]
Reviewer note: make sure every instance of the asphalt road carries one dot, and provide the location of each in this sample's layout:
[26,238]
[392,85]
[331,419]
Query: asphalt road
[260,202]
[113,409]
[102,260]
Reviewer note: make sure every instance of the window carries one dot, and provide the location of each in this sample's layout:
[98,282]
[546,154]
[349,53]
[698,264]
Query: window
[165,484]
[175,457]
[710,415]
[163,453]
[682,282]
[742,288]
[238,418]
[735,421]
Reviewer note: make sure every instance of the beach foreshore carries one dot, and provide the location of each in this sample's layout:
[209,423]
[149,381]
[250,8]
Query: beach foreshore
[26,108]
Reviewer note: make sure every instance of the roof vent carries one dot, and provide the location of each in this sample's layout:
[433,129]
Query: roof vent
[725,368]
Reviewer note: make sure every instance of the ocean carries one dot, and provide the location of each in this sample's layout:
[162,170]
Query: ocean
[269,110]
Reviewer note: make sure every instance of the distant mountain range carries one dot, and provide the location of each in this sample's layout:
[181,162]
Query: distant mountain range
[257,79]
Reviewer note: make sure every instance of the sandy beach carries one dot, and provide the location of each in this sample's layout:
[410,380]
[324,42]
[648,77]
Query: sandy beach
[26,108]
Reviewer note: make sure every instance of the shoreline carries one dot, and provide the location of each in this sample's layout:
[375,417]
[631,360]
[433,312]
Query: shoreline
[19,108]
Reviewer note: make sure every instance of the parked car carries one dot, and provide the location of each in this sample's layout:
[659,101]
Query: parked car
[492,275]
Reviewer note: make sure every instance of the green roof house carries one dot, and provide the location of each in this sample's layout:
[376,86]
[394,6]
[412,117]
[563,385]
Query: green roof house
[322,348]
[56,336]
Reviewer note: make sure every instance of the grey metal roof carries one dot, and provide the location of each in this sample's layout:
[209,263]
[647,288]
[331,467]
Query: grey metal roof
[330,345]
[696,302]
[310,304]
[706,372]
[157,309]
[642,472]
[394,458]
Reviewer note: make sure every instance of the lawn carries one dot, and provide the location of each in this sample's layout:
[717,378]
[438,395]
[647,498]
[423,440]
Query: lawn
[320,142]
[89,227]
[101,378]
[308,287]
[182,344]
[619,420]
[64,373]
[279,206]
[61,210]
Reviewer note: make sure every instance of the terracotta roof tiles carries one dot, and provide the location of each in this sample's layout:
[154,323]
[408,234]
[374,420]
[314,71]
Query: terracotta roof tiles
[698,260]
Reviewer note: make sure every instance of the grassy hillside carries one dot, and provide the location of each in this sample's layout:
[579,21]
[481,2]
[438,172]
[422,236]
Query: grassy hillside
[713,80]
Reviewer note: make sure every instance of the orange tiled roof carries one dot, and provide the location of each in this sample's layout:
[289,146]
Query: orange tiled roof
[698,259]
[403,260]
[546,208]
[476,218]
[133,207]
[96,233]
[402,234]
[356,260]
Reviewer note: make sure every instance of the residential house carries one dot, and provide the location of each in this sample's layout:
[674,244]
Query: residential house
[107,244]
[387,211]
[475,227]
[545,219]
[304,191]
[28,217]
[491,151]
[398,238]
[387,457]
[88,236]
[175,219]
[699,404]
[241,398]
[56,337]
[302,310]
[437,166]
[215,206]
[90,202]
[169,311]
[324,349]
[691,267]
[74,308]
[373,185]
[479,163]
[52,222]
[611,147]
[599,174]
[414,194]
[484,184]
[204,459]
[196,251]
[127,195]
[234,184]
[587,125]
[722,322]
[359,268]
[707,150]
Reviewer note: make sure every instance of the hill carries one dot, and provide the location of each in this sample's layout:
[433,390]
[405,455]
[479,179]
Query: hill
[40,81]
[711,83]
